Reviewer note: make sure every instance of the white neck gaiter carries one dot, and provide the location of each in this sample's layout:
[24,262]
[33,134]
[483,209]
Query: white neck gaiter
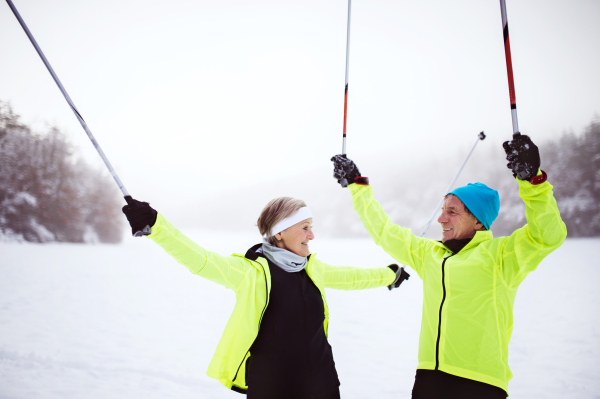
[287,260]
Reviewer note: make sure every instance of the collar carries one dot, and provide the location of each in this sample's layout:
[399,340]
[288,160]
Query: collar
[252,254]
[455,245]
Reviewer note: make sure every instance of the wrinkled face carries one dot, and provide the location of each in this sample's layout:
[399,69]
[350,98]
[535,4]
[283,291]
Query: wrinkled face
[456,221]
[295,238]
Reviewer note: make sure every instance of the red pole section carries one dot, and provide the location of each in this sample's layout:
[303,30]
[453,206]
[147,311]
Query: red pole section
[509,70]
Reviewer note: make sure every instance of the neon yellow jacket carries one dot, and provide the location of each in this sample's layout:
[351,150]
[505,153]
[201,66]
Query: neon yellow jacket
[472,293]
[251,282]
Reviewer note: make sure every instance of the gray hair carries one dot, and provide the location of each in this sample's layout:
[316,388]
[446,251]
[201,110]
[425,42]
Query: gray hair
[275,211]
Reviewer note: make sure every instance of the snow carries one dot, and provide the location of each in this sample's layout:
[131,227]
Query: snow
[126,321]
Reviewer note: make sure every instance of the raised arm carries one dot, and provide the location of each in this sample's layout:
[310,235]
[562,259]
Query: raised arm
[228,271]
[397,241]
[545,231]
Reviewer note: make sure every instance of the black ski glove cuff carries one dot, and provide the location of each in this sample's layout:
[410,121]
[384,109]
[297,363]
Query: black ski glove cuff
[140,215]
[401,275]
[523,156]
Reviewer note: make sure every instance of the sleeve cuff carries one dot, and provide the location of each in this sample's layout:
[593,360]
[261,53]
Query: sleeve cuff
[361,180]
[539,179]
[155,229]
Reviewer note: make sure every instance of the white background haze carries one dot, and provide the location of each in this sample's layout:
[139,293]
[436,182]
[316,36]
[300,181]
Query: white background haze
[192,98]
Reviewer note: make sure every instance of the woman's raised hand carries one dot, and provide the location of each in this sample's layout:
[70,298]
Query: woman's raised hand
[141,216]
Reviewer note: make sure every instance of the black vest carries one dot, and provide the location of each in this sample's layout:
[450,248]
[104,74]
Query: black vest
[290,357]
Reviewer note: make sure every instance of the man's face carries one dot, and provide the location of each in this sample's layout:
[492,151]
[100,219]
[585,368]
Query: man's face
[456,221]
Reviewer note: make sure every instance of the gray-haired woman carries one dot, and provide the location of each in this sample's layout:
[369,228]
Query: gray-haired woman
[275,342]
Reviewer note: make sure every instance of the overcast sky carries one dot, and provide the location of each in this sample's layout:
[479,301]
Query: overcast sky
[187,97]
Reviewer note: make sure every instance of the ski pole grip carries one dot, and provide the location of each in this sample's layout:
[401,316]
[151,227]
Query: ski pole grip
[146,231]
[344,182]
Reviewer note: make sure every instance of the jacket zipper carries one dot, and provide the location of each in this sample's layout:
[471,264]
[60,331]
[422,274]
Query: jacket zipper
[437,344]
[259,321]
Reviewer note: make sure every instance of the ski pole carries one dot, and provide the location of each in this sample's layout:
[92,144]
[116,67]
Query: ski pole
[145,230]
[511,83]
[344,181]
[480,137]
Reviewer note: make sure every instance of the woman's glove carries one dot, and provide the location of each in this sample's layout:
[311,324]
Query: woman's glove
[140,215]
[401,275]
[523,156]
[345,171]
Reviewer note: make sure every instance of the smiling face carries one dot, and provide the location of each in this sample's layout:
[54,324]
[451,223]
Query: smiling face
[295,238]
[457,223]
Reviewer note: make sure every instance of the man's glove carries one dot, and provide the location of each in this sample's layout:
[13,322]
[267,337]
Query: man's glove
[140,216]
[401,275]
[344,170]
[523,156]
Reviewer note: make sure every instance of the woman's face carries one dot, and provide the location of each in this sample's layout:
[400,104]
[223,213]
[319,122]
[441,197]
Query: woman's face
[295,238]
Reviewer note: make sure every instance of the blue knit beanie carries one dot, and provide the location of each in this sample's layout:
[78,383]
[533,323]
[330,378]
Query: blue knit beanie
[482,201]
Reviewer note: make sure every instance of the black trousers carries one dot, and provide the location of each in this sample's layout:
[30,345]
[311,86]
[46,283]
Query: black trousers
[435,384]
[331,395]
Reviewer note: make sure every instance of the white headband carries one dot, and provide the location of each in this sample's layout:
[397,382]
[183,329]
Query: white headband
[302,214]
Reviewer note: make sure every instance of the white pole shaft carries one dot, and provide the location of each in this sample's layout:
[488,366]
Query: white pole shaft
[348,41]
[69,101]
[437,208]
[346,83]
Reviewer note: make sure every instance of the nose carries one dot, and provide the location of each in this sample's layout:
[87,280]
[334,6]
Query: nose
[442,218]
[310,236]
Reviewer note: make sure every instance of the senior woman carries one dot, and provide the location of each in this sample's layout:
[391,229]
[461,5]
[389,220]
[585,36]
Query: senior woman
[275,342]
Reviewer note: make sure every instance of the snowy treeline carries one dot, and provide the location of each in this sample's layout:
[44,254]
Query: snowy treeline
[575,160]
[47,195]
[573,166]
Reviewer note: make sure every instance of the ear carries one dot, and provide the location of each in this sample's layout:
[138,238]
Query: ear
[278,236]
[479,226]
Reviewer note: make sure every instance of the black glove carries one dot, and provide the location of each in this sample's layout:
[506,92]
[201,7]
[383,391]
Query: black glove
[140,216]
[401,275]
[523,156]
[344,170]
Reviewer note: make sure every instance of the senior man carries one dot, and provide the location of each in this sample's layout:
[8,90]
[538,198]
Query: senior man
[470,279]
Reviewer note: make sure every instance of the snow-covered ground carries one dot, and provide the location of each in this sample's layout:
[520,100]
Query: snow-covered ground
[126,321]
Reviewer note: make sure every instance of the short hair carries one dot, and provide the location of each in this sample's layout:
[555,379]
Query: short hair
[275,211]
[467,209]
